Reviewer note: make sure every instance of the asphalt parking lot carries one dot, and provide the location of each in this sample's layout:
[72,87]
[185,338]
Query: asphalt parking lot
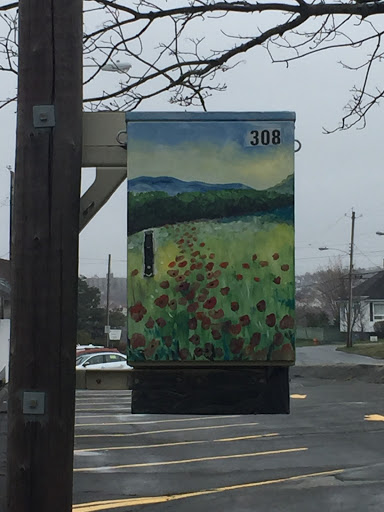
[328,454]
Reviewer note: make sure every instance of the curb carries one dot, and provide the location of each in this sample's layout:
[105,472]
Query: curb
[364,372]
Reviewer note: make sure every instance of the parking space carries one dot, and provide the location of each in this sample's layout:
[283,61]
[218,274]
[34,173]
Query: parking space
[157,462]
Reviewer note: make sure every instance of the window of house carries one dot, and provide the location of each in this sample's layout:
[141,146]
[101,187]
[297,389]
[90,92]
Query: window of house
[378,311]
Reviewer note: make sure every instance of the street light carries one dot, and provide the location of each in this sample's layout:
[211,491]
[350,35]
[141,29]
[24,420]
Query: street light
[115,66]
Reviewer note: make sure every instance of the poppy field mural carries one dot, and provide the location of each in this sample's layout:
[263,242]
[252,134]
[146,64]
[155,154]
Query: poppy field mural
[210,241]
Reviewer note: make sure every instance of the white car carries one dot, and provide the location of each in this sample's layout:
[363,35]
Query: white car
[103,361]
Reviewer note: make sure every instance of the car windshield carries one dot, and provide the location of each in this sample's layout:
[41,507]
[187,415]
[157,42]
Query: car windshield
[81,359]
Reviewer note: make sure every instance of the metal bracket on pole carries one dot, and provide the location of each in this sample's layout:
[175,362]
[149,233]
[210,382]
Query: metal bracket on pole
[108,179]
[103,149]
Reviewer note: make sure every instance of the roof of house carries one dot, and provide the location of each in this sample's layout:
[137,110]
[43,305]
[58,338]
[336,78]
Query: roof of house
[372,288]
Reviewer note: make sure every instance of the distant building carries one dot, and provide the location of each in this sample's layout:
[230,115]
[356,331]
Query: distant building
[117,290]
[368,305]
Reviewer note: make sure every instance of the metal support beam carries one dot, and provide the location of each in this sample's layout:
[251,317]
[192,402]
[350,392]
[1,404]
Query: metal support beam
[107,181]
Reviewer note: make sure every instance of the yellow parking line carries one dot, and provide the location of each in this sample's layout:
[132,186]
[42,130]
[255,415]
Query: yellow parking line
[162,445]
[166,430]
[298,397]
[98,506]
[193,418]
[245,437]
[374,417]
[188,461]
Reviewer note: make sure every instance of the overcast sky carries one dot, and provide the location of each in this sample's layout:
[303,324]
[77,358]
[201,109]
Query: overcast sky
[333,173]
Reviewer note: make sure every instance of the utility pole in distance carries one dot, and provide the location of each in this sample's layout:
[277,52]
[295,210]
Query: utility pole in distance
[107,326]
[45,257]
[350,284]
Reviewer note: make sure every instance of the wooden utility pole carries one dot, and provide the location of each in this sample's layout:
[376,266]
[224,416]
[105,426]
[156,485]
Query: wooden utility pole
[45,257]
[350,285]
[107,326]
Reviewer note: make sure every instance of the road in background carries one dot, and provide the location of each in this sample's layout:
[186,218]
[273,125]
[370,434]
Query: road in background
[326,455]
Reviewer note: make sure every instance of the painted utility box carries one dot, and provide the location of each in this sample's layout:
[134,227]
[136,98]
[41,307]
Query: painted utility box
[210,239]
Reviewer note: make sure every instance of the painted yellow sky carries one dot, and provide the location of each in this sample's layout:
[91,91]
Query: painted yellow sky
[211,163]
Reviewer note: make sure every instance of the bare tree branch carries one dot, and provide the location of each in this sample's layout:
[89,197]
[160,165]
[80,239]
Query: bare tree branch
[170,47]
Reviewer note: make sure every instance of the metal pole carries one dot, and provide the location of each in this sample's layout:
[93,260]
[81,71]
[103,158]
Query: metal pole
[350,275]
[107,307]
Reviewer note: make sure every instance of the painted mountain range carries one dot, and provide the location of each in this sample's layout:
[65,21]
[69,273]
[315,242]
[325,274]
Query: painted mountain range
[174,186]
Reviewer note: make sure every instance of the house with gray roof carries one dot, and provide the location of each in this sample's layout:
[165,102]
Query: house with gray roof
[368,305]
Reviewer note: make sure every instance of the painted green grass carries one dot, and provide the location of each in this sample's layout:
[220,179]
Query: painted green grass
[222,291]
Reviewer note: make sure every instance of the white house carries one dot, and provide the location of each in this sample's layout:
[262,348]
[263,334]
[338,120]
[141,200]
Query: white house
[368,305]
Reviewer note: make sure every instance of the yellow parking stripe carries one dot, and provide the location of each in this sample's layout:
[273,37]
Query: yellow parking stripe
[98,506]
[298,397]
[188,461]
[374,417]
[193,418]
[167,430]
[162,445]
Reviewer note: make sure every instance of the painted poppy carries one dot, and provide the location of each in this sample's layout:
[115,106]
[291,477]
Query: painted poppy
[257,279]
[275,256]
[278,338]
[206,323]
[179,258]
[161,322]
[219,352]
[134,272]
[173,273]
[216,334]
[216,314]
[171,264]
[183,287]
[210,265]
[239,277]
[182,301]
[235,329]
[255,339]
[202,244]
[285,267]
[244,320]
[192,307]
[192,323]
[261,305]
[225,291]
[150,323]
[137,340]
[200,277]
[235,345]
[137,311]
[264,263]
[224,264]
[235,306]
[162,301]
[217,273]
[173,304]
[277,280]
[270,320]
[167,341]
[287,322]
[254,257]
[184,354]
[246,265]
[210,303]
[209,351]
[211,256]
[183,264]
[195,339]
[164,284]
[198,352]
